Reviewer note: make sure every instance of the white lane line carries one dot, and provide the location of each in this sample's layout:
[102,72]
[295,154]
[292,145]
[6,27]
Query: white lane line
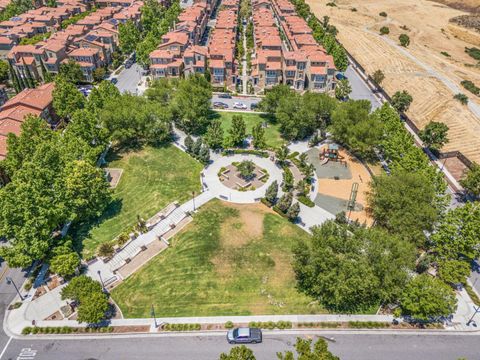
[5,348]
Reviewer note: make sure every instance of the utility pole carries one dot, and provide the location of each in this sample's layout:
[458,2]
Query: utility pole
[477,310]
[152,313]
[193,199]
[101,280]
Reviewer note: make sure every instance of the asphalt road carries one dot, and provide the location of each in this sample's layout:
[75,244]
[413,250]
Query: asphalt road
[244,100]
[348,347]
[128,79]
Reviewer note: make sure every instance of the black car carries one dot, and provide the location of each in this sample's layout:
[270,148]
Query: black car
[254,106]
[220,105]
[244,336]
[128,65]
[225,96]
[114,81]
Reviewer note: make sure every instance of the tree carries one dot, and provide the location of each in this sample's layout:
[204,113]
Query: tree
[434,135]
[471,182]
[71,71]
[462,98]
[403,203]
[145,47]
[401,101]
[293,211]
[273,97]
[66,98]
[404,40]
[214,135]
[87,191]
[65,264]
[378,77]
[197,146]
[285,202]
[426,299]
[188,142]
[191,104]
[258,134]
[106,250]
[456,237]
[128,36]
[101,94]
[161,90]
[343,89]
[4,71]
[272,192]
[237,131]
[384,30]
[282,154]
[304,351]
[204,155]
[454,272]
[238,353]
[383,14]
[353,126]
[350,269]
[246,169]
[99,74]
[88,293]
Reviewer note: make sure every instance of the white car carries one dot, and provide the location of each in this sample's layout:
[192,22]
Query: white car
[239,105]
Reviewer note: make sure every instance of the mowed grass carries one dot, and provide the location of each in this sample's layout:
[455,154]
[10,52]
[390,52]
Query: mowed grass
[231,260]
[152,178]
[272,133]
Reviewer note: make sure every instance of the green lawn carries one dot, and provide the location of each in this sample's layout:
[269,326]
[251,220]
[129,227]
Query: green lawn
[272,133]
[152,178]
[231,260]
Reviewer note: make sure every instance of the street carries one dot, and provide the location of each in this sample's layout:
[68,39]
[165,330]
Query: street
[128,79]
[247,100]
[348,347]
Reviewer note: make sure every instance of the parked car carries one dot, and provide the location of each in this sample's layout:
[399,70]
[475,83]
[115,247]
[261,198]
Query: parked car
[128,64]
[244,336]
[239,105]
[114,81]
[225,96]
[254,106]
[220,105]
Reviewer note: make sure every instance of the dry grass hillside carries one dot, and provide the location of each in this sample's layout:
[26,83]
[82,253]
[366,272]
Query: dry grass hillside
[421,69]
[466,5]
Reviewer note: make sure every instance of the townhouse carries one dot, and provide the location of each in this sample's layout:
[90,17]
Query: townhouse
[90,42]
[179,51]
[36,101]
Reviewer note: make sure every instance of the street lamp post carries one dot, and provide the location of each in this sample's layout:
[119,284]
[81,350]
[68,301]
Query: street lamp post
[152,313]
[477,310]
[193,199]
[10,281]
[101,280]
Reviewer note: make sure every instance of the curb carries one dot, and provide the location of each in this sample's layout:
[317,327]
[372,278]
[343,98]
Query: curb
[399,332]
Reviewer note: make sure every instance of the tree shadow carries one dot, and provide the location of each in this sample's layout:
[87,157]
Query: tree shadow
[81,231]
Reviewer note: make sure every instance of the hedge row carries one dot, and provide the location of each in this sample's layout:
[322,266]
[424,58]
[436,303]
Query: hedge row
[306,201]
[182,327]
[350,324]
[473,295]
[270,324]
[64,330]
[330,325]
[245,151]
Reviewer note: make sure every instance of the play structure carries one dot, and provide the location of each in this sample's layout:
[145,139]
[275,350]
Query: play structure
[331,153]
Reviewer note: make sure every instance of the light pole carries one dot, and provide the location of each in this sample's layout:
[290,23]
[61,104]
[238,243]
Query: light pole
[475,313]
[193,199]
[152,313]
[10,281]
[101,280]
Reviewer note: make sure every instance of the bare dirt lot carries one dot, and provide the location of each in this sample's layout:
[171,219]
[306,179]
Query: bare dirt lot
[432,78]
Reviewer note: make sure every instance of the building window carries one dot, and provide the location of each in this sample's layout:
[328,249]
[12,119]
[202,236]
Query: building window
[290,73]
[301,66]
[271,73]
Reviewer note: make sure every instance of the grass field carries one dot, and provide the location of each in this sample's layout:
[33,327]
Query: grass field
[231,260]
[152,178]
[272,134]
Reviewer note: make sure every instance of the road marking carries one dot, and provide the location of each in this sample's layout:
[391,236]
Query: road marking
[3,272]
[5,348]
[27,354]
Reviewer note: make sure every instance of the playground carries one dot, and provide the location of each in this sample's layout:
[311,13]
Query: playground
[342,182]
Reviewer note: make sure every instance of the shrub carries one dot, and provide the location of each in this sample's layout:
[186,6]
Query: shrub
[384,30]
[27,330]
[446,54]
[245,151]
[404,40]
[473,52]
[306,201]
[35,330]
[105,250]
[332,4]
[473,295]
[353,9]
[383,14]
[28,285]
[462,98]
[470,86]
[368,324]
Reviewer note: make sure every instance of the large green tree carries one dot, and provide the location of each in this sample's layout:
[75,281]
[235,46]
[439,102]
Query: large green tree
[237,132]
[456,237]
[343,89]
[191,104]
[351,269]
[426,299]
[272,98]
[238,353]
[471,181]
[403,203]
[101,94]
[454,272]
[353,126]
[304,350]
[66,98]
[401,100]
[128,36]
[71,71]
[434,135]
[214,135]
